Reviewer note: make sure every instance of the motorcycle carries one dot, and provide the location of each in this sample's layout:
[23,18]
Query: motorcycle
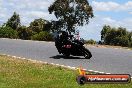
[67,46]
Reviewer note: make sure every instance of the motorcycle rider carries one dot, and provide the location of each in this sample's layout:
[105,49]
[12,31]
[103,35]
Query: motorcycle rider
[77,48]
[60,40]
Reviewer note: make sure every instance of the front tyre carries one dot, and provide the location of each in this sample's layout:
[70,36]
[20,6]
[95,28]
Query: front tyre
[87,53]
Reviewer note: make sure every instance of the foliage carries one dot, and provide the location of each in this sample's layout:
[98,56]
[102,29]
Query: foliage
[116,36]
[42,36]
[38,25]
[8,32]
[104,31]
[24,33]
[39,29]
[14,21]
[91,41]
[71,13]
[55,25]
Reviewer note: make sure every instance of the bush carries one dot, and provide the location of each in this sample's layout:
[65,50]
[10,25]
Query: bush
[42,36]
[121,41]
[25,33]
[125,41]
[91,41]
[116,36]
[7,32]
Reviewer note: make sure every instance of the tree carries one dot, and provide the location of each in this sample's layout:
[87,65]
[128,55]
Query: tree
[111,34]
[104,31]
[38,25]
[122,31]
[116,36]
[71,13]
[14,21]
[130,36]
[22,32]
[8,32]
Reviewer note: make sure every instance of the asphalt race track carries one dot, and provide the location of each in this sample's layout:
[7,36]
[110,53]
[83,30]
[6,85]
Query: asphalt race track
[104,59]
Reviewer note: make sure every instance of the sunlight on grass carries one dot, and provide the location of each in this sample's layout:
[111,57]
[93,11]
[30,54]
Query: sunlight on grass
[16,73]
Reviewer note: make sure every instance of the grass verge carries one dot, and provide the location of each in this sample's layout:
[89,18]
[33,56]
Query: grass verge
[16,73]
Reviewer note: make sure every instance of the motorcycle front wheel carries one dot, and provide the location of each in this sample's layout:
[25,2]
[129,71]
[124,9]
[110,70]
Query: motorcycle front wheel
[87,53]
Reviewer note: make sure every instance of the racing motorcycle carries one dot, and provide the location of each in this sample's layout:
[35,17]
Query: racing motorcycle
[68,45]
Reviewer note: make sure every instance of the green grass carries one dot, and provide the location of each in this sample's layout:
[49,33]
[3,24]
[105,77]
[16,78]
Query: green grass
[16,73]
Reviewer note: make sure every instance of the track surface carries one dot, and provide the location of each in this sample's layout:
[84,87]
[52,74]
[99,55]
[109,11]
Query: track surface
[104,59]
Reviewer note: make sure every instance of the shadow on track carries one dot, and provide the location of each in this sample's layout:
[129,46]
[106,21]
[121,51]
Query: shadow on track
[64,57]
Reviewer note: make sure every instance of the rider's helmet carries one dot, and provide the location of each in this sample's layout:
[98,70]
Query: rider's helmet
[64,33]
